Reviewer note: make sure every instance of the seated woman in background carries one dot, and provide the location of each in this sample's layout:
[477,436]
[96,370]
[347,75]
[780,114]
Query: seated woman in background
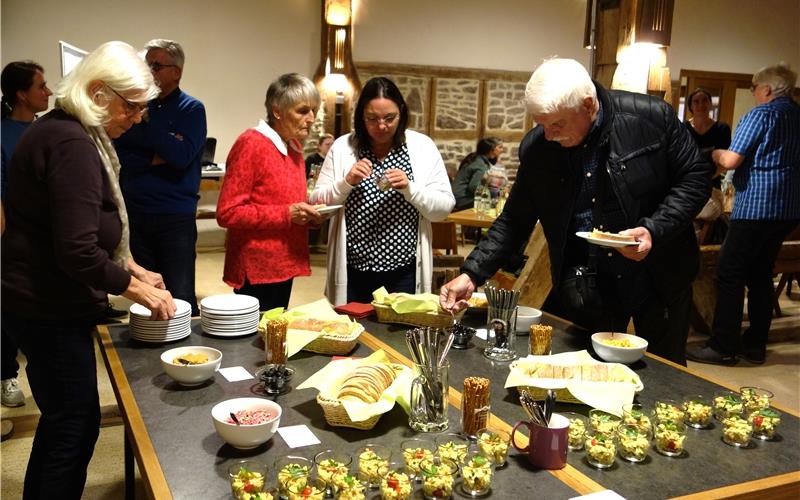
[263,200]
[393,183]
[709,135]
[64,248]
[472,170]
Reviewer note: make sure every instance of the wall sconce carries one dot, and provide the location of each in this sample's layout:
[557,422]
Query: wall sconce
[653,22]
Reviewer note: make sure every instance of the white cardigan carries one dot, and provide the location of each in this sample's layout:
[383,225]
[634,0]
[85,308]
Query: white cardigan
[429,192]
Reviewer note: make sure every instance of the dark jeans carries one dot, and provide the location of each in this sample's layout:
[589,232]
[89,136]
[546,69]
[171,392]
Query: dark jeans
[63,377]
[361,284]
[166,244]
[269,295]
[746,259]
[8,355]
[662,321]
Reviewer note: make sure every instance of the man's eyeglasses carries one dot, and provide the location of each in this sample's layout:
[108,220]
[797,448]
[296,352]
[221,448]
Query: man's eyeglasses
[386,120]
[155,67]
[132,108]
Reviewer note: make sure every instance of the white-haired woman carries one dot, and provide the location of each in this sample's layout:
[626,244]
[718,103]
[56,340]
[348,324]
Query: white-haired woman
[64,248]
[263,201]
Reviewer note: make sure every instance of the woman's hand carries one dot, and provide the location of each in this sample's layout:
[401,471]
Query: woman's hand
[149,277]
[158,301]
[302,214]
[360,170]
[397,177]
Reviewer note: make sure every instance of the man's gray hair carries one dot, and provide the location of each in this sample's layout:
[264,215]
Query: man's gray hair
[171,47]
[558,84]
[288,90]
[119,67]
[780,78]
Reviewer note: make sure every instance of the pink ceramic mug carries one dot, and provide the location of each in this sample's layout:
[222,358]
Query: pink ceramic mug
[547,446]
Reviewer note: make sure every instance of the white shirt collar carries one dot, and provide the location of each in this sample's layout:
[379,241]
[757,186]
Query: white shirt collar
[269,132]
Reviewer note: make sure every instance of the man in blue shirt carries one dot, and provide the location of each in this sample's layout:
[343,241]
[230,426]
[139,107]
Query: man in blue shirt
[160,175]
[765,157]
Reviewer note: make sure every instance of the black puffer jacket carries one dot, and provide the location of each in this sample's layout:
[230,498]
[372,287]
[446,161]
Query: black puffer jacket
[657,175]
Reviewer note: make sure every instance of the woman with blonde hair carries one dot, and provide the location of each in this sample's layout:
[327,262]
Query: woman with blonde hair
[64,248]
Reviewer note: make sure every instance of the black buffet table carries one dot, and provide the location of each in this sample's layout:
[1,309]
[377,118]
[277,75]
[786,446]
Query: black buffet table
[170,431]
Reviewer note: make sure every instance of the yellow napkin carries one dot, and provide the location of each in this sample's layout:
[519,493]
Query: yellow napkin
[329,379]
[606,396]
[296,340]
[405,302]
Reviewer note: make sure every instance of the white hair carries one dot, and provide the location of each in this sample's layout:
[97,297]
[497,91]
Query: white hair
[780,78]
[118,66]
[558,84]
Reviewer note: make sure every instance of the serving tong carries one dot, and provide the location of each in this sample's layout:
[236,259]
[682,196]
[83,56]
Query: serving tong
[539,414]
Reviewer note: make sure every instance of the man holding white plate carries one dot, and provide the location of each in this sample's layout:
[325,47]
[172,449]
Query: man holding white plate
[606,160]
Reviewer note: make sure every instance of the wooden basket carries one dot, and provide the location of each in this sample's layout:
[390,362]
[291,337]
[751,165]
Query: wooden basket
[435,320]
[336,415]
[562,395]
[335,345]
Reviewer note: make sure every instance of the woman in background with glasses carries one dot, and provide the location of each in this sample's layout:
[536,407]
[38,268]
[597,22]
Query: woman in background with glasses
[66,246]
[392,183]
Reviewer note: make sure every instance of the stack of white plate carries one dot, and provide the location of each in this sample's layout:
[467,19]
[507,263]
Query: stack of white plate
[158,331]
[229,315]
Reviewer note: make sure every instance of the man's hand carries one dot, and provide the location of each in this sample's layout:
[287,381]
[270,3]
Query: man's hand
[640,251]
[142,274]
[454,294]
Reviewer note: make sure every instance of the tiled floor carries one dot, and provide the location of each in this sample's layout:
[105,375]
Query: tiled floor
[780,374]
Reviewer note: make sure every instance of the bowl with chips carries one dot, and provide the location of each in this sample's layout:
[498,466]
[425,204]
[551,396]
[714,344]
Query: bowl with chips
[191,365]
[616,347]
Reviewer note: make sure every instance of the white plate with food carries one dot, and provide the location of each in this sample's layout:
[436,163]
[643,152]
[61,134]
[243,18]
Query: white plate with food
[327,210]
[611,240]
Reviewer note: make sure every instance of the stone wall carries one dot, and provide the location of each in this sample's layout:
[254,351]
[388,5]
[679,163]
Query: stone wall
[457,104]
[505,106]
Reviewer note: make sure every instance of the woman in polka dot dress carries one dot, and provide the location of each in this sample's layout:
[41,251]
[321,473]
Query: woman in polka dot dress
[263,200]
[392,183]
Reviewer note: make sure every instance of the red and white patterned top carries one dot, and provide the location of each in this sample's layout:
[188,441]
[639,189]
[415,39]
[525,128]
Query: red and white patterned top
[262,179]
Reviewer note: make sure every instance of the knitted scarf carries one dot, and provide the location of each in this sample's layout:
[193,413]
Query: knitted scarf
[108,155]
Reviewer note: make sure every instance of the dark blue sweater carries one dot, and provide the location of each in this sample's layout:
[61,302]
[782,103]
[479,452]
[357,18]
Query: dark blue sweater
[175,130]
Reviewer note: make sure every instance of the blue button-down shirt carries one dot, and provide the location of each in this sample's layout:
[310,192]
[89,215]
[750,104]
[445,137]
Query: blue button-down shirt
[768,180]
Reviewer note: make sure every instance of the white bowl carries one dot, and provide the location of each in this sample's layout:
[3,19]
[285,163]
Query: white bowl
[245,436]
[614,354]
[191,374]
[527,316]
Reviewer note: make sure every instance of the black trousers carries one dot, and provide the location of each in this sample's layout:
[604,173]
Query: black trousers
[269,295]
[62,373]
[662,320]
[166,244]
[361,284]
[746,259]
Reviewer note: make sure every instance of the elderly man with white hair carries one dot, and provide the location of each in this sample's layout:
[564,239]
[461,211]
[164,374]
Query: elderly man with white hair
[610,160]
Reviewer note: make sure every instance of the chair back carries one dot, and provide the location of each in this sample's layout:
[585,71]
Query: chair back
[444,237]
[208,152]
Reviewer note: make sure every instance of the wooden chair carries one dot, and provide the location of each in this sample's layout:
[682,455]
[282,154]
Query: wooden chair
[444,237]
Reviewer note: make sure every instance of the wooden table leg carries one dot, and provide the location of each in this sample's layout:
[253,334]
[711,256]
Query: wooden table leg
[130,471]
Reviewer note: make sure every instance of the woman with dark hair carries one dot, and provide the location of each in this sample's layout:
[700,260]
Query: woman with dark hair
[25,93]
[393,183]
[472,170]
[709,135]
[263,200]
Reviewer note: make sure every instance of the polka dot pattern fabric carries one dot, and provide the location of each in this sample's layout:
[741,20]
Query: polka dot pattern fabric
[381,225]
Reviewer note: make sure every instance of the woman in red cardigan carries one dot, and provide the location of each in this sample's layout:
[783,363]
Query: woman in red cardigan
[263,199]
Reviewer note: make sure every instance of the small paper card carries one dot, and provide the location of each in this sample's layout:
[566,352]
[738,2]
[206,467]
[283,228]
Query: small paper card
[296,436]
[601,495]
[235,373]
